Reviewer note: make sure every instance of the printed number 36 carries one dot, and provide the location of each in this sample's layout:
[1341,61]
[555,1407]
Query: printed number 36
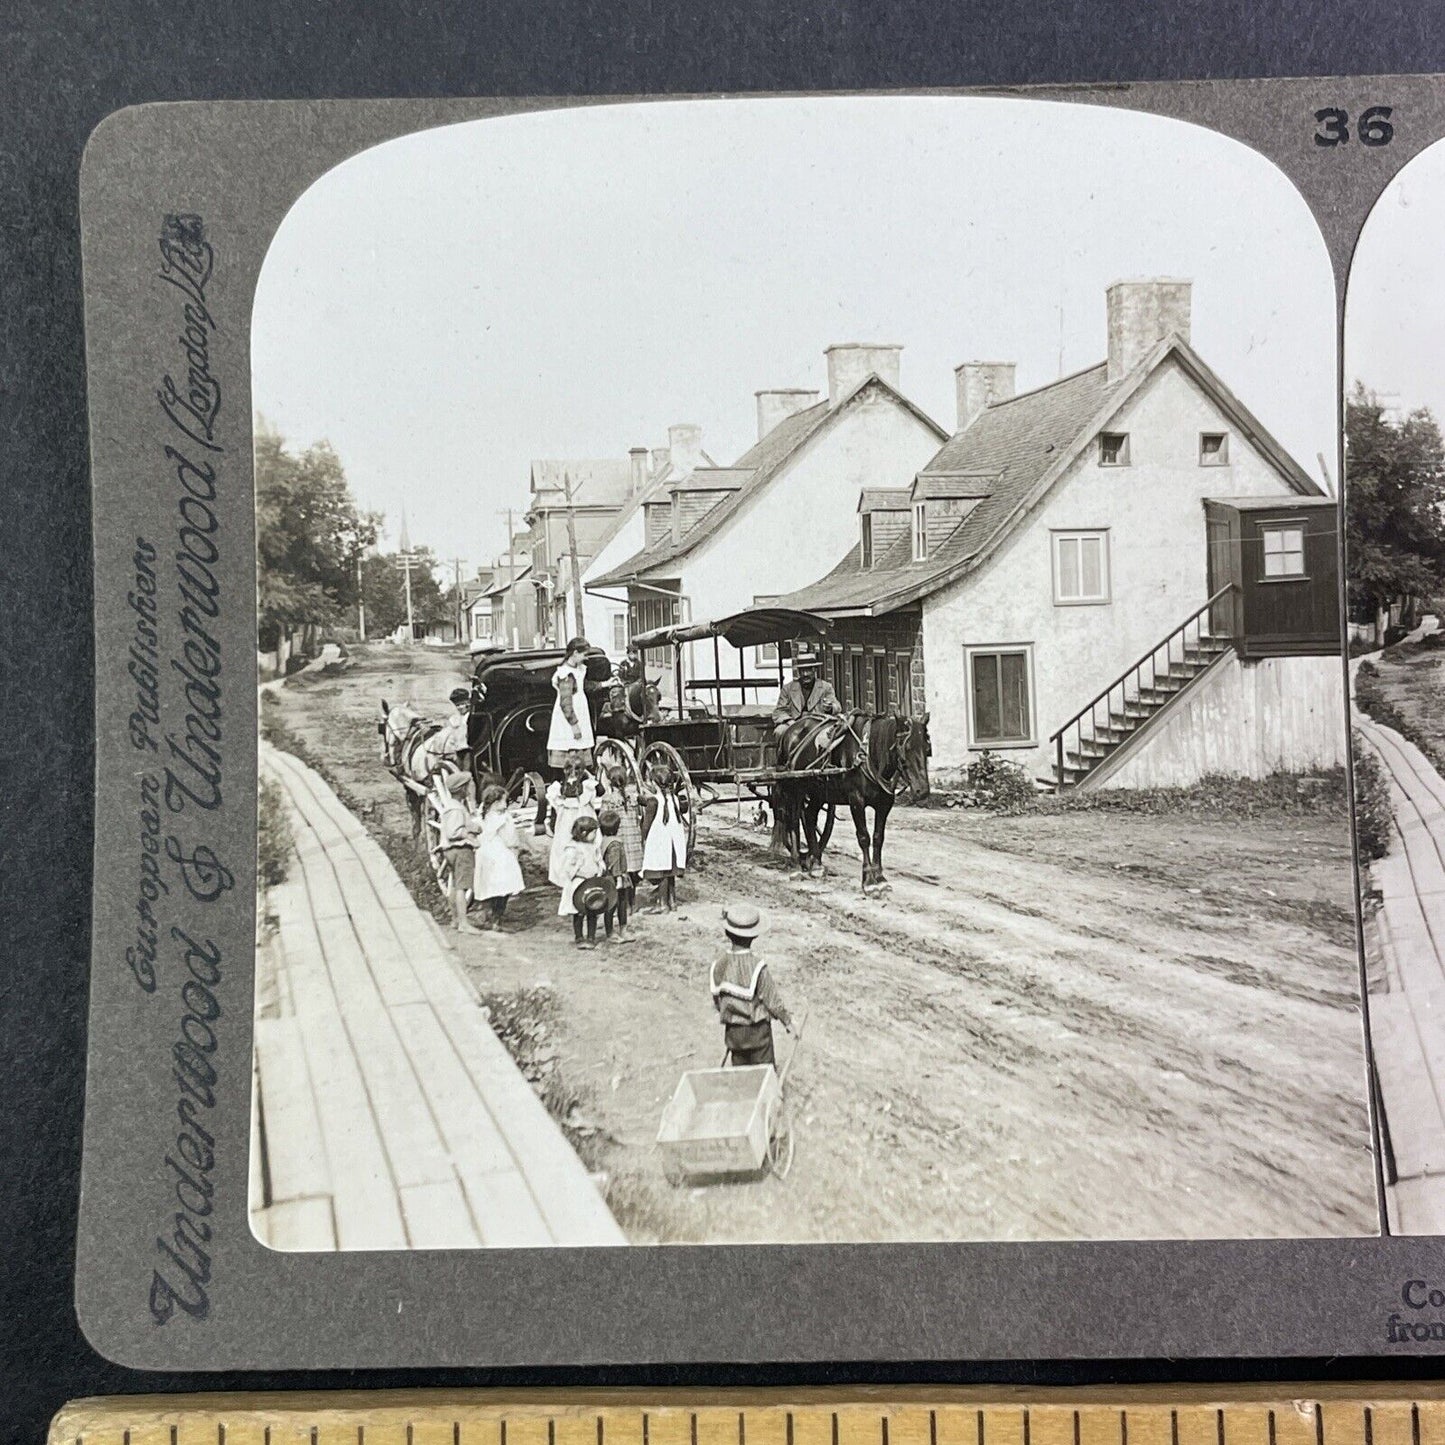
[1373,128]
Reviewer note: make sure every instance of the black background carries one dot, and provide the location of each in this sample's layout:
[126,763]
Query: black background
[63,67]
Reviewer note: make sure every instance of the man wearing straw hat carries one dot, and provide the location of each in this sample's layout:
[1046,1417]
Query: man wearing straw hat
[806,696]
[743,991]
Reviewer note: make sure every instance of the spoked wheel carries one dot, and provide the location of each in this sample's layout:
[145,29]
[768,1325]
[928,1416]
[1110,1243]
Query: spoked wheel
[614,753]
[669,756]
[440,867]
[780,1141]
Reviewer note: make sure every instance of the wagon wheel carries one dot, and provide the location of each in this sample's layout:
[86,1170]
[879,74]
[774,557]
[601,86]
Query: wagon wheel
[440,867]
[667,754]
[614,753]
[780,1141]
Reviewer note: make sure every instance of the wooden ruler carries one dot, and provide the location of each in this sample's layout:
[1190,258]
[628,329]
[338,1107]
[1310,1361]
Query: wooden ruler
[1221,1415]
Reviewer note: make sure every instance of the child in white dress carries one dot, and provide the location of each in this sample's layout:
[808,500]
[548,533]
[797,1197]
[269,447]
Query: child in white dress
[573,796]
[498,872]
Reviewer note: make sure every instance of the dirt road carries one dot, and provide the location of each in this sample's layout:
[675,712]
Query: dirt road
[1056,1026]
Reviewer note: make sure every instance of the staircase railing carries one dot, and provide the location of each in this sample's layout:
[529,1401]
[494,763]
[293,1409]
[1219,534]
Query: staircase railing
[1147,666]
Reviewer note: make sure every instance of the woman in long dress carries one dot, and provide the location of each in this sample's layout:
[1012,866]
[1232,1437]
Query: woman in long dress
[570,734]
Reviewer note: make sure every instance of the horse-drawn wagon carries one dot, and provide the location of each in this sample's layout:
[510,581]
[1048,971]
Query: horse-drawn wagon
[722,752]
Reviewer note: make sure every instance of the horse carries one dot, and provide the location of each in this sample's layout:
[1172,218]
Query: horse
[415,751]
[882,756]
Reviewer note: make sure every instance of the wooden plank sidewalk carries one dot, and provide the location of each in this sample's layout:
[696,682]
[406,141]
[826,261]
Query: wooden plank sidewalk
[1407,1023]
[389,1115]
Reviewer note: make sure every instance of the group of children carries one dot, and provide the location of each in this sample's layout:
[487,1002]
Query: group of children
[606,839]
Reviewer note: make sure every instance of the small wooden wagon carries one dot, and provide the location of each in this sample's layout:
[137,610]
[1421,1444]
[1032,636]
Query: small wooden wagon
[729,1121]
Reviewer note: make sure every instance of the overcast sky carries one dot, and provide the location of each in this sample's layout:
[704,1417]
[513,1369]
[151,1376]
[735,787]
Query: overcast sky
[447,306]
[1395,301]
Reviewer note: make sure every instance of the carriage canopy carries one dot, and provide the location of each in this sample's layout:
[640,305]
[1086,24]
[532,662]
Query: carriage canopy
[756,627]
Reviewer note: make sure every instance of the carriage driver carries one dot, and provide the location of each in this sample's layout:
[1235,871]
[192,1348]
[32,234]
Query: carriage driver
[806,696]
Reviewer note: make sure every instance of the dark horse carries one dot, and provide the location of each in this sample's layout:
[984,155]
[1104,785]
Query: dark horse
[882,757]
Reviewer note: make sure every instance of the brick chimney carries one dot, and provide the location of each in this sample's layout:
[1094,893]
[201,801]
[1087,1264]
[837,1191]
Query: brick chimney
[684,445]
[851,363]
[778,405]
[981,384]
[1141,315]
[637,480]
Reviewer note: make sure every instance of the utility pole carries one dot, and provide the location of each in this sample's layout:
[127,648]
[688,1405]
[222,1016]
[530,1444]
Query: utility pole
[360,603]
[406,560]
[457,571]
[572,554]
[509,612]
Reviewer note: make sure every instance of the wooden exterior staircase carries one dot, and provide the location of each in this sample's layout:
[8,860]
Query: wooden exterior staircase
[1139,694]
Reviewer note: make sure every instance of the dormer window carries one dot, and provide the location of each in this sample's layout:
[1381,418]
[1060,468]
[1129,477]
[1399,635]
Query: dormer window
[1114,449]
[865,524]
[920,532]
[1214,449]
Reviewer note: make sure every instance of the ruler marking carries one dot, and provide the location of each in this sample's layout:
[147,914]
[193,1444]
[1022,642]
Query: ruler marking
[1076,1427]
[1319,1423]
[646,1427]
[884,1422]
[1369,1426]
[790,1431]
[742,1428]
[456,1432]
[835,1429]
[1415,1424]
[220,1432]
[1174,1427]
[599,1430]
[1027,1426]
[1219,1425]
[551,1433]
[693,1428]
[1271,1428]
[1123,1428]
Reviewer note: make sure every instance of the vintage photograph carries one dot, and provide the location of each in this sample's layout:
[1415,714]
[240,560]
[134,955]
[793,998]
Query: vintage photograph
[1395,535]
[802,694]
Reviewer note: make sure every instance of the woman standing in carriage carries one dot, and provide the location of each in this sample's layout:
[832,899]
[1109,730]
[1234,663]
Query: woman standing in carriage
[570,735]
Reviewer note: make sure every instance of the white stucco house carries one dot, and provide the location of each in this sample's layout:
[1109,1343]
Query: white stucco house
[1118,578]
[704,538]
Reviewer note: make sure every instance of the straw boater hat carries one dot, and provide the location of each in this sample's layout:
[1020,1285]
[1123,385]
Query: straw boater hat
[805,657]
[742,920]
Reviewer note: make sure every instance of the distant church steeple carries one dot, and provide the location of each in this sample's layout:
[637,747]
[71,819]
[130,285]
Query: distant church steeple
[404,542]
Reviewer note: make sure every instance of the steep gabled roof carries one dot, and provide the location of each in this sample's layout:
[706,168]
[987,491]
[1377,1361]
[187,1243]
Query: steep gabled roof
[884,499]
[762,461]
[1026,444]
[602,482]
[656,485]
[503,582]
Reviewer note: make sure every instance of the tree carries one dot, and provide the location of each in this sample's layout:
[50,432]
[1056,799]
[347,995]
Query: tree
[1395,505]
[309,535]
[384,589]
